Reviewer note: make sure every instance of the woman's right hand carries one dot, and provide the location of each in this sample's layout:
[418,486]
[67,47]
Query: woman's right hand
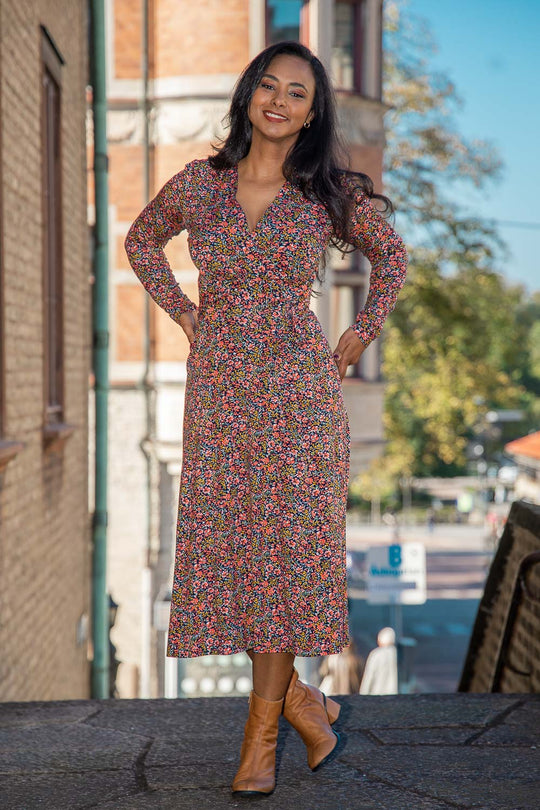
[189,321]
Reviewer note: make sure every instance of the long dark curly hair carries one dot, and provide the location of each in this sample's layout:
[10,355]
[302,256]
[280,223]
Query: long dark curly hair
[316,162]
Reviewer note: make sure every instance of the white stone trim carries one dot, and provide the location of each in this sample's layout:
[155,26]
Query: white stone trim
[257,26]
[132,372]
[321,30]
[189,119]
[169,372]
[171,121]
[211,86]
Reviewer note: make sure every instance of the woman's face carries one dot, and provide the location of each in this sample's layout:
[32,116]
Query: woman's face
[282,102]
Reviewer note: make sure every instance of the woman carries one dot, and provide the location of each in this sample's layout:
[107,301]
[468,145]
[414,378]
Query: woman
[260,558]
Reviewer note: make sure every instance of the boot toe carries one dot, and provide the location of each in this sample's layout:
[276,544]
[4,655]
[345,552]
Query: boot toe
[247,788]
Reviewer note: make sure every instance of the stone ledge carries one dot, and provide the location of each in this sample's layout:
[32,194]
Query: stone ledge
[55,435]
[406,752]
[8,451]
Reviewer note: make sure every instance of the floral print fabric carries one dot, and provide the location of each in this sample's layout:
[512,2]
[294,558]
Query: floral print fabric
[260,553]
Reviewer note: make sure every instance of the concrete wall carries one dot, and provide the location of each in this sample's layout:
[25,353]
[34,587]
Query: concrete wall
[44,522]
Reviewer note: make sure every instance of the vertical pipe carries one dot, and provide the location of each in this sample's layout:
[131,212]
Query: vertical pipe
[100,602]
[147,387]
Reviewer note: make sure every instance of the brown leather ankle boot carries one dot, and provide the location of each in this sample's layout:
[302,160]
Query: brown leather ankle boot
[311,713]
[257,771]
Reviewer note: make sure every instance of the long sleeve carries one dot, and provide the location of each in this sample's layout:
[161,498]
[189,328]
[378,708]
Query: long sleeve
[154,227]
[386,252]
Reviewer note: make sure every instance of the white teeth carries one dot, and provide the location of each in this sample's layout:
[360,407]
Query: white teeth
[275,115]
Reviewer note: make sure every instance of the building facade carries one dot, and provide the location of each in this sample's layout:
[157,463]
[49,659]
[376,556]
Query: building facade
[525,452]
[171,69]
[44,351]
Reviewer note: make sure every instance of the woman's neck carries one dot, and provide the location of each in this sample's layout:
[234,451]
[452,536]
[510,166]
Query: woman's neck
[264,161]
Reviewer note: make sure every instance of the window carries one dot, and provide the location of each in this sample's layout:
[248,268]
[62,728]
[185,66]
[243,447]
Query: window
[357,48]
[346,40]
[286,20]
[52,231]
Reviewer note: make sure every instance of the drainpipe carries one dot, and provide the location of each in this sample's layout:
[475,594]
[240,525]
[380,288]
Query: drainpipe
[100,601]
[148,393]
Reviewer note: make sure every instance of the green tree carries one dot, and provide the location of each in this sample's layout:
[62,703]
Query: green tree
[527,364]
[447,351]
[461,341]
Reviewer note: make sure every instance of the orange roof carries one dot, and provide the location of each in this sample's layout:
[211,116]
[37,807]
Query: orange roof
[526,446]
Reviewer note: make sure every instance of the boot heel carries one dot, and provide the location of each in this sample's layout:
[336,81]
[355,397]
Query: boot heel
[308,710]
[332,709]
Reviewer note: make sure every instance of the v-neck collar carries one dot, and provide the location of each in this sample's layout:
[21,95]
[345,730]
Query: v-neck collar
[234,189]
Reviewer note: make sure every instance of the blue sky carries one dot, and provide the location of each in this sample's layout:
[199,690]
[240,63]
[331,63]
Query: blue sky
[490,50]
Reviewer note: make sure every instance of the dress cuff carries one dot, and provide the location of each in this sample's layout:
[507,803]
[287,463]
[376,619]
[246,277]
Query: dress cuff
[363,333]
[180,308]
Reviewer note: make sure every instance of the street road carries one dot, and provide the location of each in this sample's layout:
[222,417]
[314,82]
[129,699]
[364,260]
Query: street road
[458,559]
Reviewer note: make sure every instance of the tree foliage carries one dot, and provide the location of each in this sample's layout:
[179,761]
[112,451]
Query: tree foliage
[462,341]
[426,157]
[448,357]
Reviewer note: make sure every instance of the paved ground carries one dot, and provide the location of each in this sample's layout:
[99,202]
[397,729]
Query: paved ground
[458,558]
[412,752]
[444,537]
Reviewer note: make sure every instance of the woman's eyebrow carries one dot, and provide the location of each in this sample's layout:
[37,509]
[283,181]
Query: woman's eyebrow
[292,84]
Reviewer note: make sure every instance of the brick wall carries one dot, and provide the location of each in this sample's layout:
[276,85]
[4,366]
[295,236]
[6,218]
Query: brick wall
[44,525]
[181,26]
[175,29]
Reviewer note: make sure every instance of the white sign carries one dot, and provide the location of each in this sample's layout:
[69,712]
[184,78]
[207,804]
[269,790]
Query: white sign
[396,574]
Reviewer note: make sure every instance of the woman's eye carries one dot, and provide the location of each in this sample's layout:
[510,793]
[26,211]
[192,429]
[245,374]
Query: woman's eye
[297,95]
[267,86]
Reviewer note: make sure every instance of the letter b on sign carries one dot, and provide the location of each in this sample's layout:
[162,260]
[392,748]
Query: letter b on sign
[394,556]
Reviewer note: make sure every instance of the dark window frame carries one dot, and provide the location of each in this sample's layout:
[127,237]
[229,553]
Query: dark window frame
[359,84]
[358,40]
[52,245]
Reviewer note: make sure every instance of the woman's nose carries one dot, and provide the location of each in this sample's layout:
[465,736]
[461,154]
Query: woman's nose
[279,98]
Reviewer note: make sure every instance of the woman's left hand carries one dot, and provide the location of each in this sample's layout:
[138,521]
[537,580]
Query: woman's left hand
[348,351]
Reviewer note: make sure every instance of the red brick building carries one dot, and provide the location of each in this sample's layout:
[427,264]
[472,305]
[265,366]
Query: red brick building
[45,339]
[172,65]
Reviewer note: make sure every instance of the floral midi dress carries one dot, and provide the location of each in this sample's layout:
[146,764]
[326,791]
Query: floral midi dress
[260,553]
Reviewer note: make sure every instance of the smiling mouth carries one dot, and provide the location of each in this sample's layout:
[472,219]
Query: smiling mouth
[271,116]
